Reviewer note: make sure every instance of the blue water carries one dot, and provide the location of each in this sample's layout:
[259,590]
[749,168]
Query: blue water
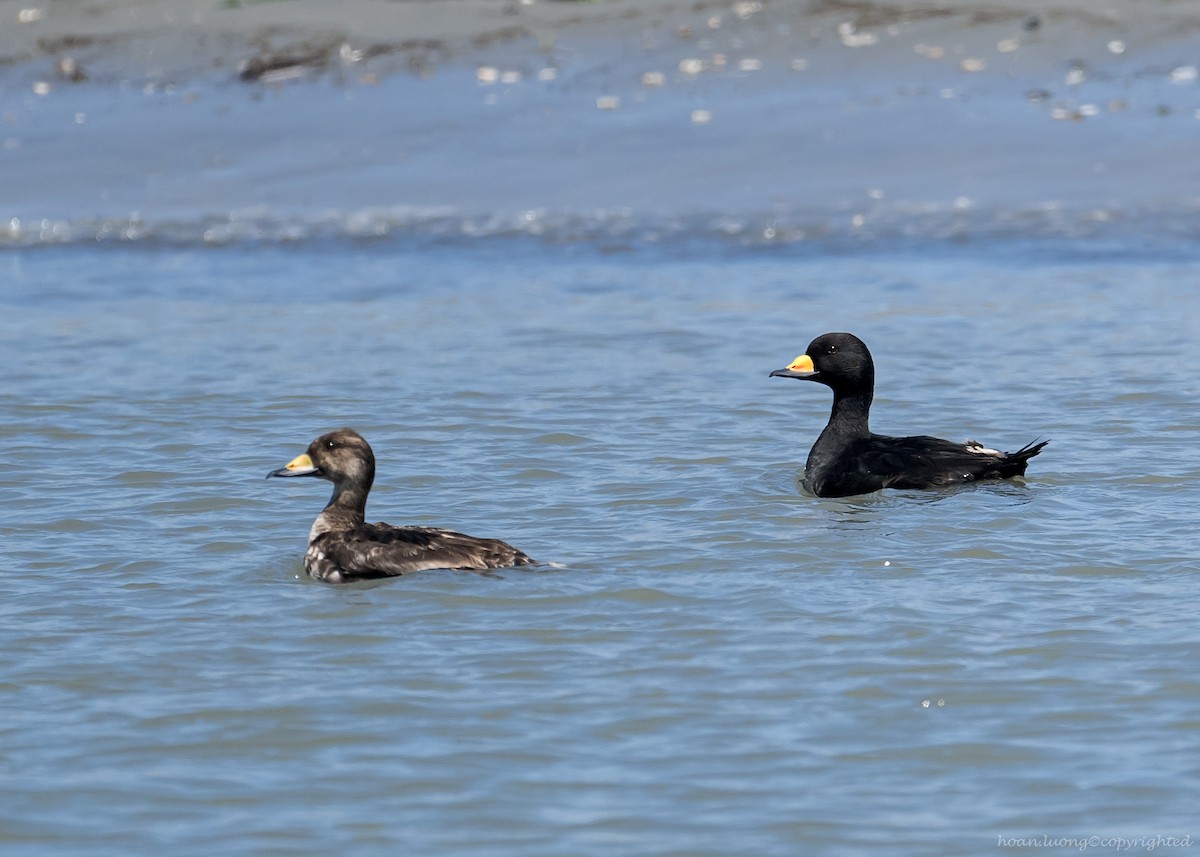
[722,665]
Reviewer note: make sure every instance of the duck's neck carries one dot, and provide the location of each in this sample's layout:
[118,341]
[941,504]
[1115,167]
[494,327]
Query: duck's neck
[851,414]
[346,509]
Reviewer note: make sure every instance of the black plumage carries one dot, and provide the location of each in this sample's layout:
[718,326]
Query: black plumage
[343,548]
[848,458]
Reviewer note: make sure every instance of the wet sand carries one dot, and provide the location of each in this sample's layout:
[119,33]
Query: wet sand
[202,109]
[182,41]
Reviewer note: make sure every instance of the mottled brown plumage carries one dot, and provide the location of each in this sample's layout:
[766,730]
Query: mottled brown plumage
[343,548]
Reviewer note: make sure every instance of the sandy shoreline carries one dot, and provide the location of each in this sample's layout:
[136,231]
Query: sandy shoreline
[197,108]
[181,41]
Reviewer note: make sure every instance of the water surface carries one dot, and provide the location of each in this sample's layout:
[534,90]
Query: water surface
[723,665]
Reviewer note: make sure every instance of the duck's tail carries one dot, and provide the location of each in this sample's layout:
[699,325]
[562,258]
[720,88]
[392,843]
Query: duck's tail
[1016,462]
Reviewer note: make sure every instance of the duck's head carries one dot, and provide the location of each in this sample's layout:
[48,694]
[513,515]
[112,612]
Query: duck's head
[341,456]
[837,360]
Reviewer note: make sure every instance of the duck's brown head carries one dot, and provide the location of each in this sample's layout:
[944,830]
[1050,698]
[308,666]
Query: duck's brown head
[341,456]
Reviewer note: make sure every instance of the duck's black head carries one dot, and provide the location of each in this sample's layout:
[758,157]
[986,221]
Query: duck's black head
[341,456]
[837,360]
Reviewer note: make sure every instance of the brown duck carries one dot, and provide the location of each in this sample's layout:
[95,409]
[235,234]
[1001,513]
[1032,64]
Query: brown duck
[343,548]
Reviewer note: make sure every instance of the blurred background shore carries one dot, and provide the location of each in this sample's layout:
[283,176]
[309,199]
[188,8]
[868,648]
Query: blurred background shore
[814,116]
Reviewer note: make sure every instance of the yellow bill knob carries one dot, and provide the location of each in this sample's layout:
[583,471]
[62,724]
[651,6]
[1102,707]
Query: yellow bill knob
[803,363]
[300,462]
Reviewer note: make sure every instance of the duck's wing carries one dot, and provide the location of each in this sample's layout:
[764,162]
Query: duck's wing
[931,462]
[382,550]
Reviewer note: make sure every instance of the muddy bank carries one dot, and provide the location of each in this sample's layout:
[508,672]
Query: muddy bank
[187,41]
[833,114]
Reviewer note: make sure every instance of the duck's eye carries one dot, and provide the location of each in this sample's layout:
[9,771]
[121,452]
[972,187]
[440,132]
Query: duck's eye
[329,444]
[832,349]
